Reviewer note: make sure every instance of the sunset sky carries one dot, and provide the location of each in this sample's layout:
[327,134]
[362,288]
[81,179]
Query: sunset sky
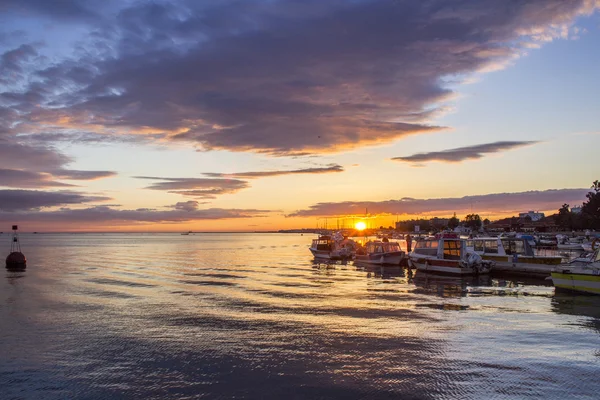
[273,114]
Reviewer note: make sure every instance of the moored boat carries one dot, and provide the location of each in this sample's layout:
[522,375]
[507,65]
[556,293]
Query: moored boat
[336,247]
[447,255]
[580,275]
[380,253]
[565,244]
[513,255]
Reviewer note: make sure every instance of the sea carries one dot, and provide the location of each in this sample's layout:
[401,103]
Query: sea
[252,316]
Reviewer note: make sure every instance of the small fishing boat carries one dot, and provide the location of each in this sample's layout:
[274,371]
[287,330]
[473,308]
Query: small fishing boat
[336,247]
[380,253]
[580,275]
[447,255]
[514,255]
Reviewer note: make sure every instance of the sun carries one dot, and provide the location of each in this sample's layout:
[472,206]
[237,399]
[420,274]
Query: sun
[360,226]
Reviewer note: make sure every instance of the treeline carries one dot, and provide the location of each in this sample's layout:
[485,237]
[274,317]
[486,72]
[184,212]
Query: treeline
[472,221]
[588,218]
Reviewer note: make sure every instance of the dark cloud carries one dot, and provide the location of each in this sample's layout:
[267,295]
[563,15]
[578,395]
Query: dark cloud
[487,203]
[262,174]
[206,188]
[25,200]
[29,166]
[34,158]
[12,62]
[464,153]
[105,215]
[190,205]
[73,10]
[26,179]
[280,77]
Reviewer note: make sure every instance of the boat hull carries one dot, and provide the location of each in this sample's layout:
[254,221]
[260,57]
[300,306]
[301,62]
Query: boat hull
[569,247]
[453,267]
[539,266]
[329,255]
[392,258]
[577,282]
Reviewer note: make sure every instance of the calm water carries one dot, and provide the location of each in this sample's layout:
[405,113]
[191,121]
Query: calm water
[250,316]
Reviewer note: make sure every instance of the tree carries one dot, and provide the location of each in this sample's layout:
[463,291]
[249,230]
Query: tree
[453,222]
[564,218]
[486,222]
[472,221]
[591,208]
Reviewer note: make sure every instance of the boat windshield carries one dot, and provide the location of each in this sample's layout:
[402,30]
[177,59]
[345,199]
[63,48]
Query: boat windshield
[391,246]
[382,247]
[426,247]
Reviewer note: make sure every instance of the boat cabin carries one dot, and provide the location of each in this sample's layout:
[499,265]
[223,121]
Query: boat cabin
[324,243]
[446,248]
[501,246]
[382,247]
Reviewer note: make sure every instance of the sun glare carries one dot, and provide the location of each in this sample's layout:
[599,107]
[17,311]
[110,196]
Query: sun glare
[360,226]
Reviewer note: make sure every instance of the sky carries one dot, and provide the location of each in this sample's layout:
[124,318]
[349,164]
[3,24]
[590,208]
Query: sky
[243,115]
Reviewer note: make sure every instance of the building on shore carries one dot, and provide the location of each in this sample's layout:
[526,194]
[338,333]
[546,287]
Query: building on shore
[535,216]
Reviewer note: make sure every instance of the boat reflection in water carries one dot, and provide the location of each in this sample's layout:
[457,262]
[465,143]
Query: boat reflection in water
[447,286]
[578,304]
[383,272]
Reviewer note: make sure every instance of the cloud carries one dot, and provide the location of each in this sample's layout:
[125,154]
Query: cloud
[190,205]
[27,179]
[104,215]
[205,188]
[73,174]
[35,166]
[263,174]
[278,77]
[460,154]
[26,200]
[487,203]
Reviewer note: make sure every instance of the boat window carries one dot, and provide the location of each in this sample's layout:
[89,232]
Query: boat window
[452,249]
[470,243]
[478,245]
[426,247]
[491,246]
[391,246]
[323,246]
[513,247]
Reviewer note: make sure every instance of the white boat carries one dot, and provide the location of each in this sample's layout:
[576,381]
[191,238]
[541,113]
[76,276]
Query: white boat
[336,247]
[447,255]
[513,255]
[565,244]
[580,275]
[380,253]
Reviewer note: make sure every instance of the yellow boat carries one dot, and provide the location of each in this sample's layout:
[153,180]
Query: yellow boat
[580,275]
